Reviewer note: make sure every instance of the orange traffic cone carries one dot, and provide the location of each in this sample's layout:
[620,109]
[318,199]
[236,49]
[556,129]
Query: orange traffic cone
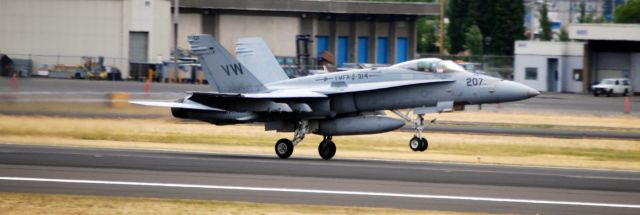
[147,86]
[14,81]
[626,105]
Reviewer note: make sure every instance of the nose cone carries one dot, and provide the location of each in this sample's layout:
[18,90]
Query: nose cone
[513,91]
[533,93]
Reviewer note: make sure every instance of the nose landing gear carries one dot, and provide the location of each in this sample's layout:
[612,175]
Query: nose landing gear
[418,143]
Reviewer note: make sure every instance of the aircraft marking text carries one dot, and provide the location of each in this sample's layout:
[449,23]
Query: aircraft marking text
[475,82]
[236,68]
[346,77]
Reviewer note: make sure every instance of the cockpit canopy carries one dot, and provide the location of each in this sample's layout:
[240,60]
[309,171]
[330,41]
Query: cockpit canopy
[434,65]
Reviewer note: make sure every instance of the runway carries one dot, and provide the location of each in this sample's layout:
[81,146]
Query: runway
[369,183]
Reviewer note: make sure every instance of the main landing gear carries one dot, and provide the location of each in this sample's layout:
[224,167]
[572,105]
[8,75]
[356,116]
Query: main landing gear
[284,147]
[326,148]
[417,143]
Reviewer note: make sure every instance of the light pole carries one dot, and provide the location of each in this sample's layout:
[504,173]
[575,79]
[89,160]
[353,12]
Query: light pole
[176,12]
[441,39]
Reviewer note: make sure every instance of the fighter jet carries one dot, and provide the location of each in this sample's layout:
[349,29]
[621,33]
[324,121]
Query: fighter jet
[256,89]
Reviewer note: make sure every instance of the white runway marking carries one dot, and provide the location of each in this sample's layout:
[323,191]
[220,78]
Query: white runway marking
[316,191]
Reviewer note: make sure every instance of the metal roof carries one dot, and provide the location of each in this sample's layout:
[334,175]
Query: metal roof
[317,6]
[619,32]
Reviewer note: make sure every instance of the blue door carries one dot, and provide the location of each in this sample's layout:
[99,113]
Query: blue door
[363,49]
[322,44]
[383,44]
[402,46]
[343,50]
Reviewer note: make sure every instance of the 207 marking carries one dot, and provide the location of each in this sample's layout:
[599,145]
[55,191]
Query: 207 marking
[475,82]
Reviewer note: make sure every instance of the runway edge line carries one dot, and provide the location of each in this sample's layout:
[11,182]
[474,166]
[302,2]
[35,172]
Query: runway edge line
[317,191]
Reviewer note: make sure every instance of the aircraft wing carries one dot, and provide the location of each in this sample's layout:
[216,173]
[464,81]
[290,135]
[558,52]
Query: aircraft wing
[342,87]
[187,104]
[283,100]
[277,94]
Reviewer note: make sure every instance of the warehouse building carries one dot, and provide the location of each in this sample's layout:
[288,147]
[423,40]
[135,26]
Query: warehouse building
[123,31]
[610,51]
[549,66]
[63,31]
[603,51]
[363,32]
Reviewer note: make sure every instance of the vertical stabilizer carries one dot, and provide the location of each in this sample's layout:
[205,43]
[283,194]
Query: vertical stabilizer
[219,67]
[254,53]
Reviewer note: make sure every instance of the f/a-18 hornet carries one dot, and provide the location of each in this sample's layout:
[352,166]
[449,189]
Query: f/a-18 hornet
[254,88]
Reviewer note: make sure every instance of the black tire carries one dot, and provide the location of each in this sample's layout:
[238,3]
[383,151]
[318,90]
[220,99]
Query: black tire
[416,144]
[327,149]
[284,148]
[425,145]
[626,92]
[596,92]
[610,92]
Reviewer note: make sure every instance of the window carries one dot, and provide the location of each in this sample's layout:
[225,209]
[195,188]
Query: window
[625,82]
[430,65]
[531,73]
[577,74]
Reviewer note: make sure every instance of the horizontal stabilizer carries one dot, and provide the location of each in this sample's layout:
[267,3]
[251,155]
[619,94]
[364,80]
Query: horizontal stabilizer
[187,105]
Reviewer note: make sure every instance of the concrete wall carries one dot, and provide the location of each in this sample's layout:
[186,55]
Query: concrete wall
[595,31]
[278,31]
[62,31]
[69,28]
[188,24]
[569,84]
[635,72]
[534,54]
[157,23]
[566,65]
[531,61]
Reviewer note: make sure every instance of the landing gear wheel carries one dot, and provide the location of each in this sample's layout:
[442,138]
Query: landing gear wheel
[425,144]
[284,148]
[416,144]
[327,149]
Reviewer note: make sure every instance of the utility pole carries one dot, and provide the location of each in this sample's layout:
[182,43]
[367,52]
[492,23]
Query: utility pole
[176,12]
[441,39]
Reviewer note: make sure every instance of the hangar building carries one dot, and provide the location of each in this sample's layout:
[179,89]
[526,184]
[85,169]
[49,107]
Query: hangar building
[610,51]
[63,31]
[363,32]
[602,51]
[123,31]
[549,66]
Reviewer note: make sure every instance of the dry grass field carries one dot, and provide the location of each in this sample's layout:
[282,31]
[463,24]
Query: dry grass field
[45,204]
[174,134]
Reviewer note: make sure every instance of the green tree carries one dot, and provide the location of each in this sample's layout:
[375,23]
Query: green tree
[427,28]
[506,26]
[473,40]
[583,13]
[564,35]
[500,22]
[545,24]
[628,13]
[458,24]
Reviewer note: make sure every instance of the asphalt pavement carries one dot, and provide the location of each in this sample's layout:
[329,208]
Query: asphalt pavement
[369,183]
